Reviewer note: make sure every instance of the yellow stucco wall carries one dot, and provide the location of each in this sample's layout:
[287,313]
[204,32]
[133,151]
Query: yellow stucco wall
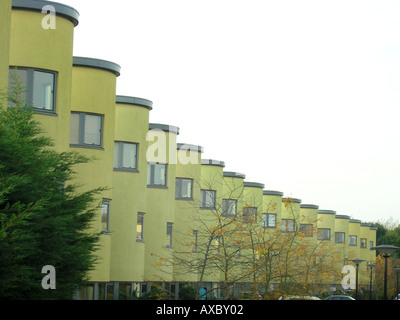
[48,49]
[5,24]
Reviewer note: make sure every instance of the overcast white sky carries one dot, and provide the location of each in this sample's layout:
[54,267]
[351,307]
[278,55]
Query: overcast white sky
[303,96]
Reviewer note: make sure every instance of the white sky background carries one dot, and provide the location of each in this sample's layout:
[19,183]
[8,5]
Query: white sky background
[303,96]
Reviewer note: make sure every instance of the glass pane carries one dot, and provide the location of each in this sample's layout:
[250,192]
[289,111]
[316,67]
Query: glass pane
[21,76]
[104,215]
[74,129]
[149,166]
[210,199]
[271,220]
[116,154]
[186,188]
[159,174]
[43,88]
[92,133]
[129,155]
[139,228]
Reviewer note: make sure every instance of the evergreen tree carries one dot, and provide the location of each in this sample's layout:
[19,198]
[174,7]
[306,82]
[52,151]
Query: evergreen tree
[43,220]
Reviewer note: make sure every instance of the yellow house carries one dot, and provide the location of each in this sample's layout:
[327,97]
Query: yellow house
[160,193]
[129,201]
[341,236]
[43,58]
[161,158]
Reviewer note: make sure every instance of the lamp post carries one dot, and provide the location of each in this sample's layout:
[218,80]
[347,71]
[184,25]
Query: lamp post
[371,266]
[397,282]
[357,262]
[386,251]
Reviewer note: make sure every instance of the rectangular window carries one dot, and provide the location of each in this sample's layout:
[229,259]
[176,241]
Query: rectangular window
[156,175]
[249,214]
[352,240]
[169,235]
[105,215]
[340,237]
[125,155]
[371,244]
[183,189]
[269,220]
[287,225]
[229,207]
[208,199]
[306,229]
[139,227]
[194,234]
[363,243]
[324,234]
[39,87]
[86,129]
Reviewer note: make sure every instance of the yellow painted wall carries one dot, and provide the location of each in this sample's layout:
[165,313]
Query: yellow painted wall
[291,210]
[48,49]
[93,91]
[342,225]
[160,205]
[5,24]
[354,229]
[211,179]
[272,203]
[129,193]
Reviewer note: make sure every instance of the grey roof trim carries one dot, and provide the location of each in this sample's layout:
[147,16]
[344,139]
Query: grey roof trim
[134,101]
[253,184]
[234,174]
[36,5]
[295,200]
[97,63]
[189,147]
[210,162]
[309,206]
[164,127]
[326,211]
[355,221]
[272,193]
[373,228]
[364,224]
[341,216]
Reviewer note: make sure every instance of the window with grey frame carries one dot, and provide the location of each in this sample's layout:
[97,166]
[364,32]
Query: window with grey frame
[169,235]
[86,129]
[125,156]
[352,240]
[208,199]
[229,207]
[140,226]
[324,234]
[288,225]
[340,237]
[183,189]
[105,215]
[306,229]
[249,214]
[39,88]
[194,234]
[268,220]
[157,175]
[363,243]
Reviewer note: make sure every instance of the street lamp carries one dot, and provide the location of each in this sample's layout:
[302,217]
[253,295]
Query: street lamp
[371,266]
[397,282]
[386,251]
[357,262]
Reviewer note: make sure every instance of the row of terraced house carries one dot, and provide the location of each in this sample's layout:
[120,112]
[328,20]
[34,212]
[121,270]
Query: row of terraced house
[165,203]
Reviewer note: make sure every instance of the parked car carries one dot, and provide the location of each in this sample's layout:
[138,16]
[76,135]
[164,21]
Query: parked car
[339,297]
[299,298]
